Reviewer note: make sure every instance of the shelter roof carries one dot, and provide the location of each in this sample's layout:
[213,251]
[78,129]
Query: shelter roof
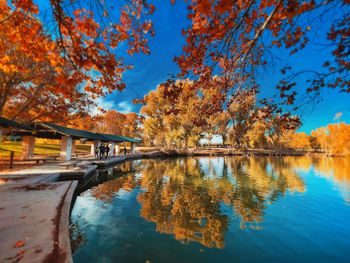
[79,134]
[53,131]
[6,123]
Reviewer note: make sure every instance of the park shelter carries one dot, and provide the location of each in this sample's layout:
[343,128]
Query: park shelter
[68,137]
[7,126]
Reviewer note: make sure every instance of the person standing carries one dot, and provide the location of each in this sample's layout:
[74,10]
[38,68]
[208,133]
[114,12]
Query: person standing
[124,150]
[107,149]
[96,151]
[102,151]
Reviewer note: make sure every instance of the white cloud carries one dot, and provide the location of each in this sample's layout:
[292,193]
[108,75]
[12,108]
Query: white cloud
[101,103]
[338,116]
[125,107]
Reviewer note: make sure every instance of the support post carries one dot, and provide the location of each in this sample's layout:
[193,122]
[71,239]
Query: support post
[111,149]
[66,148]
[1,133]
[28,142]
[12,154]
[94,145]
[132,148]
[117,149]
[74,146]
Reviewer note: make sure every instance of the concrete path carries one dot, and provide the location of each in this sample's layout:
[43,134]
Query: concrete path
[34,222]
[48,168]
[31,179]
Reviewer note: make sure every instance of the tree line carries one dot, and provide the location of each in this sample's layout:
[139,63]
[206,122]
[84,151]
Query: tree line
[242,122]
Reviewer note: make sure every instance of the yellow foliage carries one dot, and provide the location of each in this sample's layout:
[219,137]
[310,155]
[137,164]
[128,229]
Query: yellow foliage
[334,139]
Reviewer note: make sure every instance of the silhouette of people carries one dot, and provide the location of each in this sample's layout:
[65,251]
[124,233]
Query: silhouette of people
[124,150]
[107,149]
[102,150]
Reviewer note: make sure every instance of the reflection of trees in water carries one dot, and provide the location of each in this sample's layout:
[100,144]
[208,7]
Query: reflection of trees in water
[108,189]
[259,182]
[183,196]
[183,199]
[336,169]
[121,177]
[77,235]
[180,204]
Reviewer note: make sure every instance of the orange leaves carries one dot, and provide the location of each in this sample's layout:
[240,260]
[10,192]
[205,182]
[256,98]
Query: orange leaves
[152,8]
[36,80]
[334,139]
[19,244]
[147,26]
[223,6]
[225,37]
[125,20]
[26,5]
[86,42]
[266,3]
[85,23]
[204,7]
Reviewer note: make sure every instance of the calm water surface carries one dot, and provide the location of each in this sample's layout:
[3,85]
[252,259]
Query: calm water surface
[219,209]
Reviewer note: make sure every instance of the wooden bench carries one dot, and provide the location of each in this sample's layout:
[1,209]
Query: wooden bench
[69,164]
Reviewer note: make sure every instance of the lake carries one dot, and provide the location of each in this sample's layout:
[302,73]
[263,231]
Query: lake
[216,209]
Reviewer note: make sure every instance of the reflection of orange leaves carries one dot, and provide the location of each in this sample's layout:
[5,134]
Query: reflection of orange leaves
[19,244]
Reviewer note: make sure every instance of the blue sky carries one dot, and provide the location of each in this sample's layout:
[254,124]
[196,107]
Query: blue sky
[151,70]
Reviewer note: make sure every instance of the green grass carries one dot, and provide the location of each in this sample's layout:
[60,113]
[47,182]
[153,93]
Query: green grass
[39,149]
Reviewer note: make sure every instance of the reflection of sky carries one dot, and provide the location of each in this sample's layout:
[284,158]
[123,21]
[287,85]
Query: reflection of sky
[212,167]
[340,186]
[93,210]
[88,209]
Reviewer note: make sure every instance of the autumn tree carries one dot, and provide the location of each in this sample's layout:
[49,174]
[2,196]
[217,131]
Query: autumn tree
[241,110]
[339,138]
[175,123]
[36,82]
[295,140]
[233,38]
[333,139]
[221,124]
[115,122]
[256,135]
[314,144]
[112,122]
[321,134]
[86,122]
[43,76]
[277,122]
[154,125]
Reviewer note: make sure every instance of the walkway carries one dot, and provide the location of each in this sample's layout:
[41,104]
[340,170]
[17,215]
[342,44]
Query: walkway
[34,222]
